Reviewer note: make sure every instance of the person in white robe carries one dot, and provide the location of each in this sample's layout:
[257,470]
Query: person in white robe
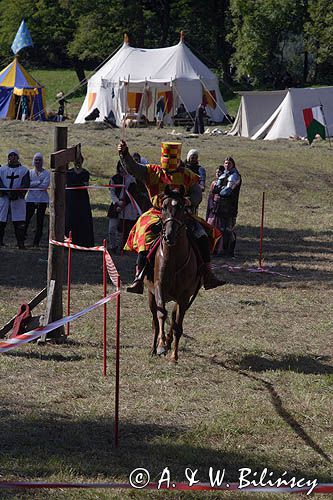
[37,198]
[13,176]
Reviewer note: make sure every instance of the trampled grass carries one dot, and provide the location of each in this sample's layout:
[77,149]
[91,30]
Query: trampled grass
[253,387]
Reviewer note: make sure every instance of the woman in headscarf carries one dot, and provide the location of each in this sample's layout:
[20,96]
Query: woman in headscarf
[38,199]
[192,163]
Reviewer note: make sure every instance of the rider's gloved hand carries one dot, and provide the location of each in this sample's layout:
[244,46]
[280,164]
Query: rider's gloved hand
[122,148]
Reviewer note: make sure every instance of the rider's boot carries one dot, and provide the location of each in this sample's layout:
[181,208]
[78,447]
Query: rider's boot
[137,285]
[209,279]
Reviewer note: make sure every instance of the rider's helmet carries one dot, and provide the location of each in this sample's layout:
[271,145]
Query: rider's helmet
[171,155]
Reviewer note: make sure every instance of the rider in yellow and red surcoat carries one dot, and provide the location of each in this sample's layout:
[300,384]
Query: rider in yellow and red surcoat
[171,172]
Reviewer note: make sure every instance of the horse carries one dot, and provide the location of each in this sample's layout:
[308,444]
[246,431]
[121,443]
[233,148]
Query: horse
[176,273]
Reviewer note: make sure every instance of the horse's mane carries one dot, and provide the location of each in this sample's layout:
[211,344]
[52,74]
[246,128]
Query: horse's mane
[175,194]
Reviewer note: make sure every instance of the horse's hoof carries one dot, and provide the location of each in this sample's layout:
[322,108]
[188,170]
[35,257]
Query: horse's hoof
[161,350]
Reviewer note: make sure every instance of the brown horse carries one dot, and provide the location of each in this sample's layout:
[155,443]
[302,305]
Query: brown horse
[176,273]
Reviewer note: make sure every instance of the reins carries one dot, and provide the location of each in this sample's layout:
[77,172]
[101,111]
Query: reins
[180,226]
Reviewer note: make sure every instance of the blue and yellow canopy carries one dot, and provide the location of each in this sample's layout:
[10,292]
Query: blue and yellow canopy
[16,82]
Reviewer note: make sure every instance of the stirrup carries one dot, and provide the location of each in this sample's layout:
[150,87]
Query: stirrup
[136,287]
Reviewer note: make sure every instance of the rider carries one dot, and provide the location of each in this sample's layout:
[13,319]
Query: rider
[173,173]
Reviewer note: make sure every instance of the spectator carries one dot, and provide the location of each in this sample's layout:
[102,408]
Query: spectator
[37,201]
[13,176]
[192,163]
[200,113]
[160,107]
[61,110]
[78,211]
[227,188]
[181,109]
[212,214]
[122,212]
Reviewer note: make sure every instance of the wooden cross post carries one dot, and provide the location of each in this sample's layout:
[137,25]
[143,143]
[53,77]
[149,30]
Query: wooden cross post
[55,271]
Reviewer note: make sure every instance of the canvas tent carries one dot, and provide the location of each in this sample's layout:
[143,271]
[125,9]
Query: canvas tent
[279,114]
[254,110]
[16,82]
[133,80]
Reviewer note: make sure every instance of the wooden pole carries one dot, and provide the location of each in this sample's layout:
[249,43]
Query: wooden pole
[261,229]
[116,410]
[69,277]
[55,269]
[104,309]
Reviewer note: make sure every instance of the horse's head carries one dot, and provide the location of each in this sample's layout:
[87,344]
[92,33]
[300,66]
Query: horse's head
[173,213]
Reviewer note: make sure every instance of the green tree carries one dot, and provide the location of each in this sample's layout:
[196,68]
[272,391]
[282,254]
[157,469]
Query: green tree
[319,39]
[259,34]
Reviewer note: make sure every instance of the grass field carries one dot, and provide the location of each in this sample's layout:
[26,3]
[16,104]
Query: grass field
[253,387]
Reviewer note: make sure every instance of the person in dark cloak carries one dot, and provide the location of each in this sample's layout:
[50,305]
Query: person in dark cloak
[78,211]
[200,113]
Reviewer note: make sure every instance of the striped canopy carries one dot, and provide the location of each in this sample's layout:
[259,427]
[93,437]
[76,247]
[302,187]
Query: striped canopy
[15,82]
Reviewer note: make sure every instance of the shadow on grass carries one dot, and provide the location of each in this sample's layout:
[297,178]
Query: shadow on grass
[298,364]
[276,400]
[45,357]
[55,444]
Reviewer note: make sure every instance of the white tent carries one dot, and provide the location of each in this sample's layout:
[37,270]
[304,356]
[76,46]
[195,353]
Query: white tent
[254,110]
[133,80]
[279,114]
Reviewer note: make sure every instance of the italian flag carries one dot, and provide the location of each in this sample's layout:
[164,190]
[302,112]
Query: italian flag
[314,122]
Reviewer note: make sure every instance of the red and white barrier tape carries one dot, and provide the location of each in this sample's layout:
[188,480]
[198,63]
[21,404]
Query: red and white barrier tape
[110,266]
[111,269]
[322,488]
[66,244]
[9,344]
[93,186]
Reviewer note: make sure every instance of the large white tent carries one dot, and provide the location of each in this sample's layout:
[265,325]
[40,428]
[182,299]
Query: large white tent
[279,114]
[133,80]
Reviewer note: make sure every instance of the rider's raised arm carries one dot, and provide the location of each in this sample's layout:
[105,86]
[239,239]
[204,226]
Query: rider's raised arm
[139,171]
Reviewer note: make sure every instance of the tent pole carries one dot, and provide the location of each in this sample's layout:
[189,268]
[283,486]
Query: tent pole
[32,107]
[18,109]
[173,102]
[205,86]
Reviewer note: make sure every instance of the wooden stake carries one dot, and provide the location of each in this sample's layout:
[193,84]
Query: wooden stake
[57,230]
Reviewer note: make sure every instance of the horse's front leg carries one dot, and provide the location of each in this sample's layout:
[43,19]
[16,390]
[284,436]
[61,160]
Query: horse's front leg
[155,326]
[169,337]
[161,316]
[178,328]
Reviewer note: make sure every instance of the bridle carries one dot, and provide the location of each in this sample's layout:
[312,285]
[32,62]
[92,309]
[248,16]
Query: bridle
[171,219]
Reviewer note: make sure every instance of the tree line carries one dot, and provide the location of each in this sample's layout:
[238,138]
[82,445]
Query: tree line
[248,43]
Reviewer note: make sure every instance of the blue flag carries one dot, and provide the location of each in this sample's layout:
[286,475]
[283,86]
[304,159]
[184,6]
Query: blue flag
[22,39]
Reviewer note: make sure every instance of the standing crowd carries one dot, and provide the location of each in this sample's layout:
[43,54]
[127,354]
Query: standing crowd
[24,192]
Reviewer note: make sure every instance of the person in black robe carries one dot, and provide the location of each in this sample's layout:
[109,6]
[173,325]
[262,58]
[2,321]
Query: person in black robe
[200,113]
[78,211]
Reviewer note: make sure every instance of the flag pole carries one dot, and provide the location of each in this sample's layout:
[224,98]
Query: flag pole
[328,135]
